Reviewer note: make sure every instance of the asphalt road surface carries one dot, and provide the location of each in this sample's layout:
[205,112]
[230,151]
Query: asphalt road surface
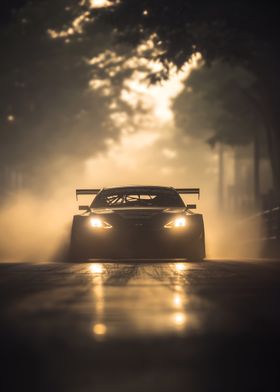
[139,326]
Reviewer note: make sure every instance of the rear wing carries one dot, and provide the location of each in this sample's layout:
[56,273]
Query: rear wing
[182,191]
[189,191]
[86,192]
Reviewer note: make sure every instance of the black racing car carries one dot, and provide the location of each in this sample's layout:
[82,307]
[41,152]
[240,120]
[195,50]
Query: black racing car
[137,222]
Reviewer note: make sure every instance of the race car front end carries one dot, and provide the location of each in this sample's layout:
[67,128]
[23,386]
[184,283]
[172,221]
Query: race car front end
[140,233]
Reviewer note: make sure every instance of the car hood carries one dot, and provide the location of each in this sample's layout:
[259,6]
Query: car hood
[152,217]
[139,211]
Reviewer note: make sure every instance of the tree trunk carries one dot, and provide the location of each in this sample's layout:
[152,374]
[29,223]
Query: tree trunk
[256,168]
[237,179]
[221,177]
[266,69]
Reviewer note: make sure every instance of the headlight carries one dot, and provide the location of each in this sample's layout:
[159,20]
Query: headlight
[177,223]
[97,223]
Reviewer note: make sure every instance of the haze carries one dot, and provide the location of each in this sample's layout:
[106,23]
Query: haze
[123,133]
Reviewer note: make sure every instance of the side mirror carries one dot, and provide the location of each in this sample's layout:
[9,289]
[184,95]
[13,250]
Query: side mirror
[84,208]
[191,206]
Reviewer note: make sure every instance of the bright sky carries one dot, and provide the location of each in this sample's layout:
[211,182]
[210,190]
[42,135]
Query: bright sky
[99,3]
[146,151]
[131,152]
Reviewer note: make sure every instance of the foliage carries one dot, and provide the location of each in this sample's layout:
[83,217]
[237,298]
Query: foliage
[234,30]
[216,106]
[48,110]
[44,80]
[237,32]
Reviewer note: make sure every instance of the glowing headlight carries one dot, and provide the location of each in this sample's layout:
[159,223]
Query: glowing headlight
[178,222]
[98,223]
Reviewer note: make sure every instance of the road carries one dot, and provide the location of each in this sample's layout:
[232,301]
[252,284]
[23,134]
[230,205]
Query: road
[168,326]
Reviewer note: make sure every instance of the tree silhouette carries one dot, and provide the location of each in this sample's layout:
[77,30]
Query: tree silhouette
[237,32]
[47,111]
[218,105]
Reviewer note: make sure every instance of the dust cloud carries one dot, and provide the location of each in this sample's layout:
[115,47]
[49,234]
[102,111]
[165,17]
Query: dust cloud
[145,148]
[36,227]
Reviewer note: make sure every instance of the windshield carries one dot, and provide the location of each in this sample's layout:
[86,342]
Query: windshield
[137,197]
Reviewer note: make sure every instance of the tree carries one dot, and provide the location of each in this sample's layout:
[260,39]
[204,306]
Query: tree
[236,32]
[9,8]
[215,106]
[48,111]
[218,106]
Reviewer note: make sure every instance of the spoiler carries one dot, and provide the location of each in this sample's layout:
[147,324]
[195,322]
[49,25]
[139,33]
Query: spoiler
[189,191]
[86,192]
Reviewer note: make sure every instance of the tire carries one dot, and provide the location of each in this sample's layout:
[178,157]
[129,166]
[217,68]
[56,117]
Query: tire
[196,246]
[77,249]
[197,251]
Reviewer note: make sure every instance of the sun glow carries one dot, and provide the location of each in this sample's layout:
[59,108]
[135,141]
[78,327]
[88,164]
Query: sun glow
[11,118]
[147,126]
[100,3]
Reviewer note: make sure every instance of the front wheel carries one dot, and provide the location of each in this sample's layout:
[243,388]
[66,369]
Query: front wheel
[196,251]
[77,246]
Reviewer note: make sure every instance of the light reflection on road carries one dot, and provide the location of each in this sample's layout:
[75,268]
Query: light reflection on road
[177,300]
[141,299]
[96,268]
[99,329]
[180,266]
[179,319]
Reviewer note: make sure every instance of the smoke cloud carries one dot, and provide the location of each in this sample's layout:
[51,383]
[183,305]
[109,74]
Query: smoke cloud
[36,226]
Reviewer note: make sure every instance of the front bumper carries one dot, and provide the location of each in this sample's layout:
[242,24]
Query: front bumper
[165,243]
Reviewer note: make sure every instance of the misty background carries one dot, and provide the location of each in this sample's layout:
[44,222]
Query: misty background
[83,106]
